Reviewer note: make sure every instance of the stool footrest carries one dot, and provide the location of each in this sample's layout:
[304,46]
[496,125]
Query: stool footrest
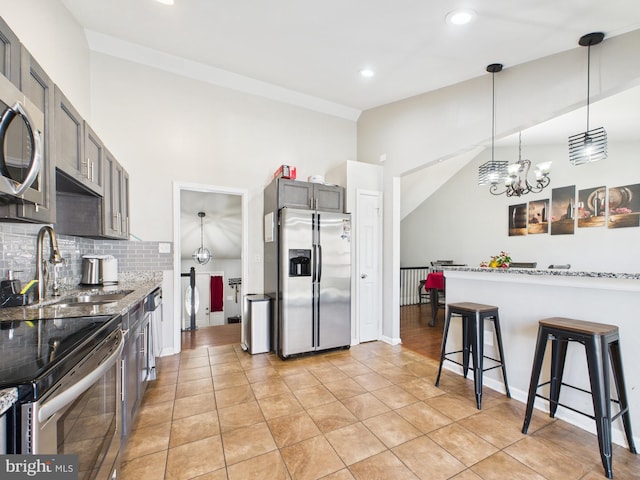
[499,363]
[592,417]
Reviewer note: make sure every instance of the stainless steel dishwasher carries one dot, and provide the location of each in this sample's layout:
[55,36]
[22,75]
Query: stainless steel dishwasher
[153,313]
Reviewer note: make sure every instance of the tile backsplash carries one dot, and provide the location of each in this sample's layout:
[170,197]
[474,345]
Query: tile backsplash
[19,253]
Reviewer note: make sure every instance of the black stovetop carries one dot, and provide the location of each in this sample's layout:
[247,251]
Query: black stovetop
[35,353]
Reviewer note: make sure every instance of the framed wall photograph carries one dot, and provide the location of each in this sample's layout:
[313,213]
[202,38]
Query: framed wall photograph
[624,206]
[591,207]
[563,202]
[517,220]
[538,217]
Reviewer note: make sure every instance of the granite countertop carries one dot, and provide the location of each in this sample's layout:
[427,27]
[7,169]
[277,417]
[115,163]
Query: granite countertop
[140,284]
[8,397]
[556,272]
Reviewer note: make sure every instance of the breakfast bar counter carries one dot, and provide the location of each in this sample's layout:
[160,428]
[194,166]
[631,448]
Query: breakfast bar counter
[525,296]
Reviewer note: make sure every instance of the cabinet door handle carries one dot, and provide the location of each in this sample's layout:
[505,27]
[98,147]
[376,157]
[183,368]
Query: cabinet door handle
[144,341]
[123,378]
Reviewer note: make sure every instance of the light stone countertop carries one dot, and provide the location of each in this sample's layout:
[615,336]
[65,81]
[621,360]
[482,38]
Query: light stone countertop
[8,397]
[141,285]
[556,272]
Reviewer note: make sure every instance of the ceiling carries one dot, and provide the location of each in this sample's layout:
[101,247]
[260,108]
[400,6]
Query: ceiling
[318,48]
[311,53]
[222,224]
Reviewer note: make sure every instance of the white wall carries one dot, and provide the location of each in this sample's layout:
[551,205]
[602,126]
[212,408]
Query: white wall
[56,41]
[454,120]
[166,128]
[464,222]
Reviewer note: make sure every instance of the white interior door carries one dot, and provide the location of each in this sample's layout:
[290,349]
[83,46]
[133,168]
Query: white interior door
[369,262]
[202,284]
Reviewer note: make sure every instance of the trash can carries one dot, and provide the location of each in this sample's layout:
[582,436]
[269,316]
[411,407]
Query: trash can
[256,321]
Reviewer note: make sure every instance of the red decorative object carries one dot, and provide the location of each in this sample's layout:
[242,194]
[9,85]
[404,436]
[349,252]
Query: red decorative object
[217,291]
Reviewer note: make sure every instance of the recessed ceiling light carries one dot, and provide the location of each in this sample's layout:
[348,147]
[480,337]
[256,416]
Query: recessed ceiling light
[367,72]
[165,2]
[461,16]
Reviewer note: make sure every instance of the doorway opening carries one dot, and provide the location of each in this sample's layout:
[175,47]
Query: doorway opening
[215,218]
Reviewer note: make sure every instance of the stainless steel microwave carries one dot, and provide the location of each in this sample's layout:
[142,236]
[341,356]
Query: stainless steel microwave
[21,127]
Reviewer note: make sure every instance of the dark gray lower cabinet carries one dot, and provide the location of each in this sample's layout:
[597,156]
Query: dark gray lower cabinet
[134,364]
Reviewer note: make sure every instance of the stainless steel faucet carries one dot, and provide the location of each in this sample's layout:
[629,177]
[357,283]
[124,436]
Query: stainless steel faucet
[54,258]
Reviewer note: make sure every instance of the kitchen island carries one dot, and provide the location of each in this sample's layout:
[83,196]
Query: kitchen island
[525,296]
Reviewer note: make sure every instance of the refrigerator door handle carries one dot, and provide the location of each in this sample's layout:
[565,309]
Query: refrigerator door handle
[314,266]
[319,263]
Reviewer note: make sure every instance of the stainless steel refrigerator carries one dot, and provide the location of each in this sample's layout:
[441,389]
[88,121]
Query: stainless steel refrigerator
[315,281]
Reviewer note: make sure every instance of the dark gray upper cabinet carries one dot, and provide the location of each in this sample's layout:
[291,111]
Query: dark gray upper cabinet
[38,88]
[93,159]
[124,205]
[115,201]
[328,198]
[306,195]
[9,54]
[78,150]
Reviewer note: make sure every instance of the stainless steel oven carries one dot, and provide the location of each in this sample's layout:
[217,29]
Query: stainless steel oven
[21,125]
[68,376]
[81,415]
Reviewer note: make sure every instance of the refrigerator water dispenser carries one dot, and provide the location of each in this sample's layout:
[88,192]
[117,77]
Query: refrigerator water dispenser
[299,262]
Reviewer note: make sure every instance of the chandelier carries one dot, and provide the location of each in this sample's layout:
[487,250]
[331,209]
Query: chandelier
[517,181]
[590,145]
[201,255]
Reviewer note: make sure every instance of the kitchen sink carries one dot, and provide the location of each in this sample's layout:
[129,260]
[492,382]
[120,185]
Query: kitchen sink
[91,299]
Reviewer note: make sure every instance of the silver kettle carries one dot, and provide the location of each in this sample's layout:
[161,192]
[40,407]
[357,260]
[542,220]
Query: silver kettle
[99,270]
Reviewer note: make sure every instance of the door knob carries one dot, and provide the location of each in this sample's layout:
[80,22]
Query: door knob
[363,275]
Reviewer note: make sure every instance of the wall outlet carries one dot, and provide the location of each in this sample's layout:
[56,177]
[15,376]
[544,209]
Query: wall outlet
[164,247]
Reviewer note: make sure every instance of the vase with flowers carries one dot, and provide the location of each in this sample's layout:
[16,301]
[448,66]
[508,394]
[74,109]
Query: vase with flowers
[502,260]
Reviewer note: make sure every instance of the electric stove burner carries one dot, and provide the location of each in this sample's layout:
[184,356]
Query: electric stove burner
[35,353]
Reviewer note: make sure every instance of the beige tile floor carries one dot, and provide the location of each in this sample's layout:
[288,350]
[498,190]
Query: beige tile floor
[371,412]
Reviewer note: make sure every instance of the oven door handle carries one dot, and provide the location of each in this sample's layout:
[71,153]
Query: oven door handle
[58,402]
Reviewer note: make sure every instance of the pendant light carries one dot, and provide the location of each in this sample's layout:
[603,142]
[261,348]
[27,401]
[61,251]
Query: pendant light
[493,172]
[202,255]
[591,145]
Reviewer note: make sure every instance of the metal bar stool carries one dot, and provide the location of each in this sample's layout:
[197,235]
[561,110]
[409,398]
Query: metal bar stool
[602,345]
[473,317]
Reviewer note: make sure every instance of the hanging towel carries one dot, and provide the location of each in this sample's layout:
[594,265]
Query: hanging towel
[216,294]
